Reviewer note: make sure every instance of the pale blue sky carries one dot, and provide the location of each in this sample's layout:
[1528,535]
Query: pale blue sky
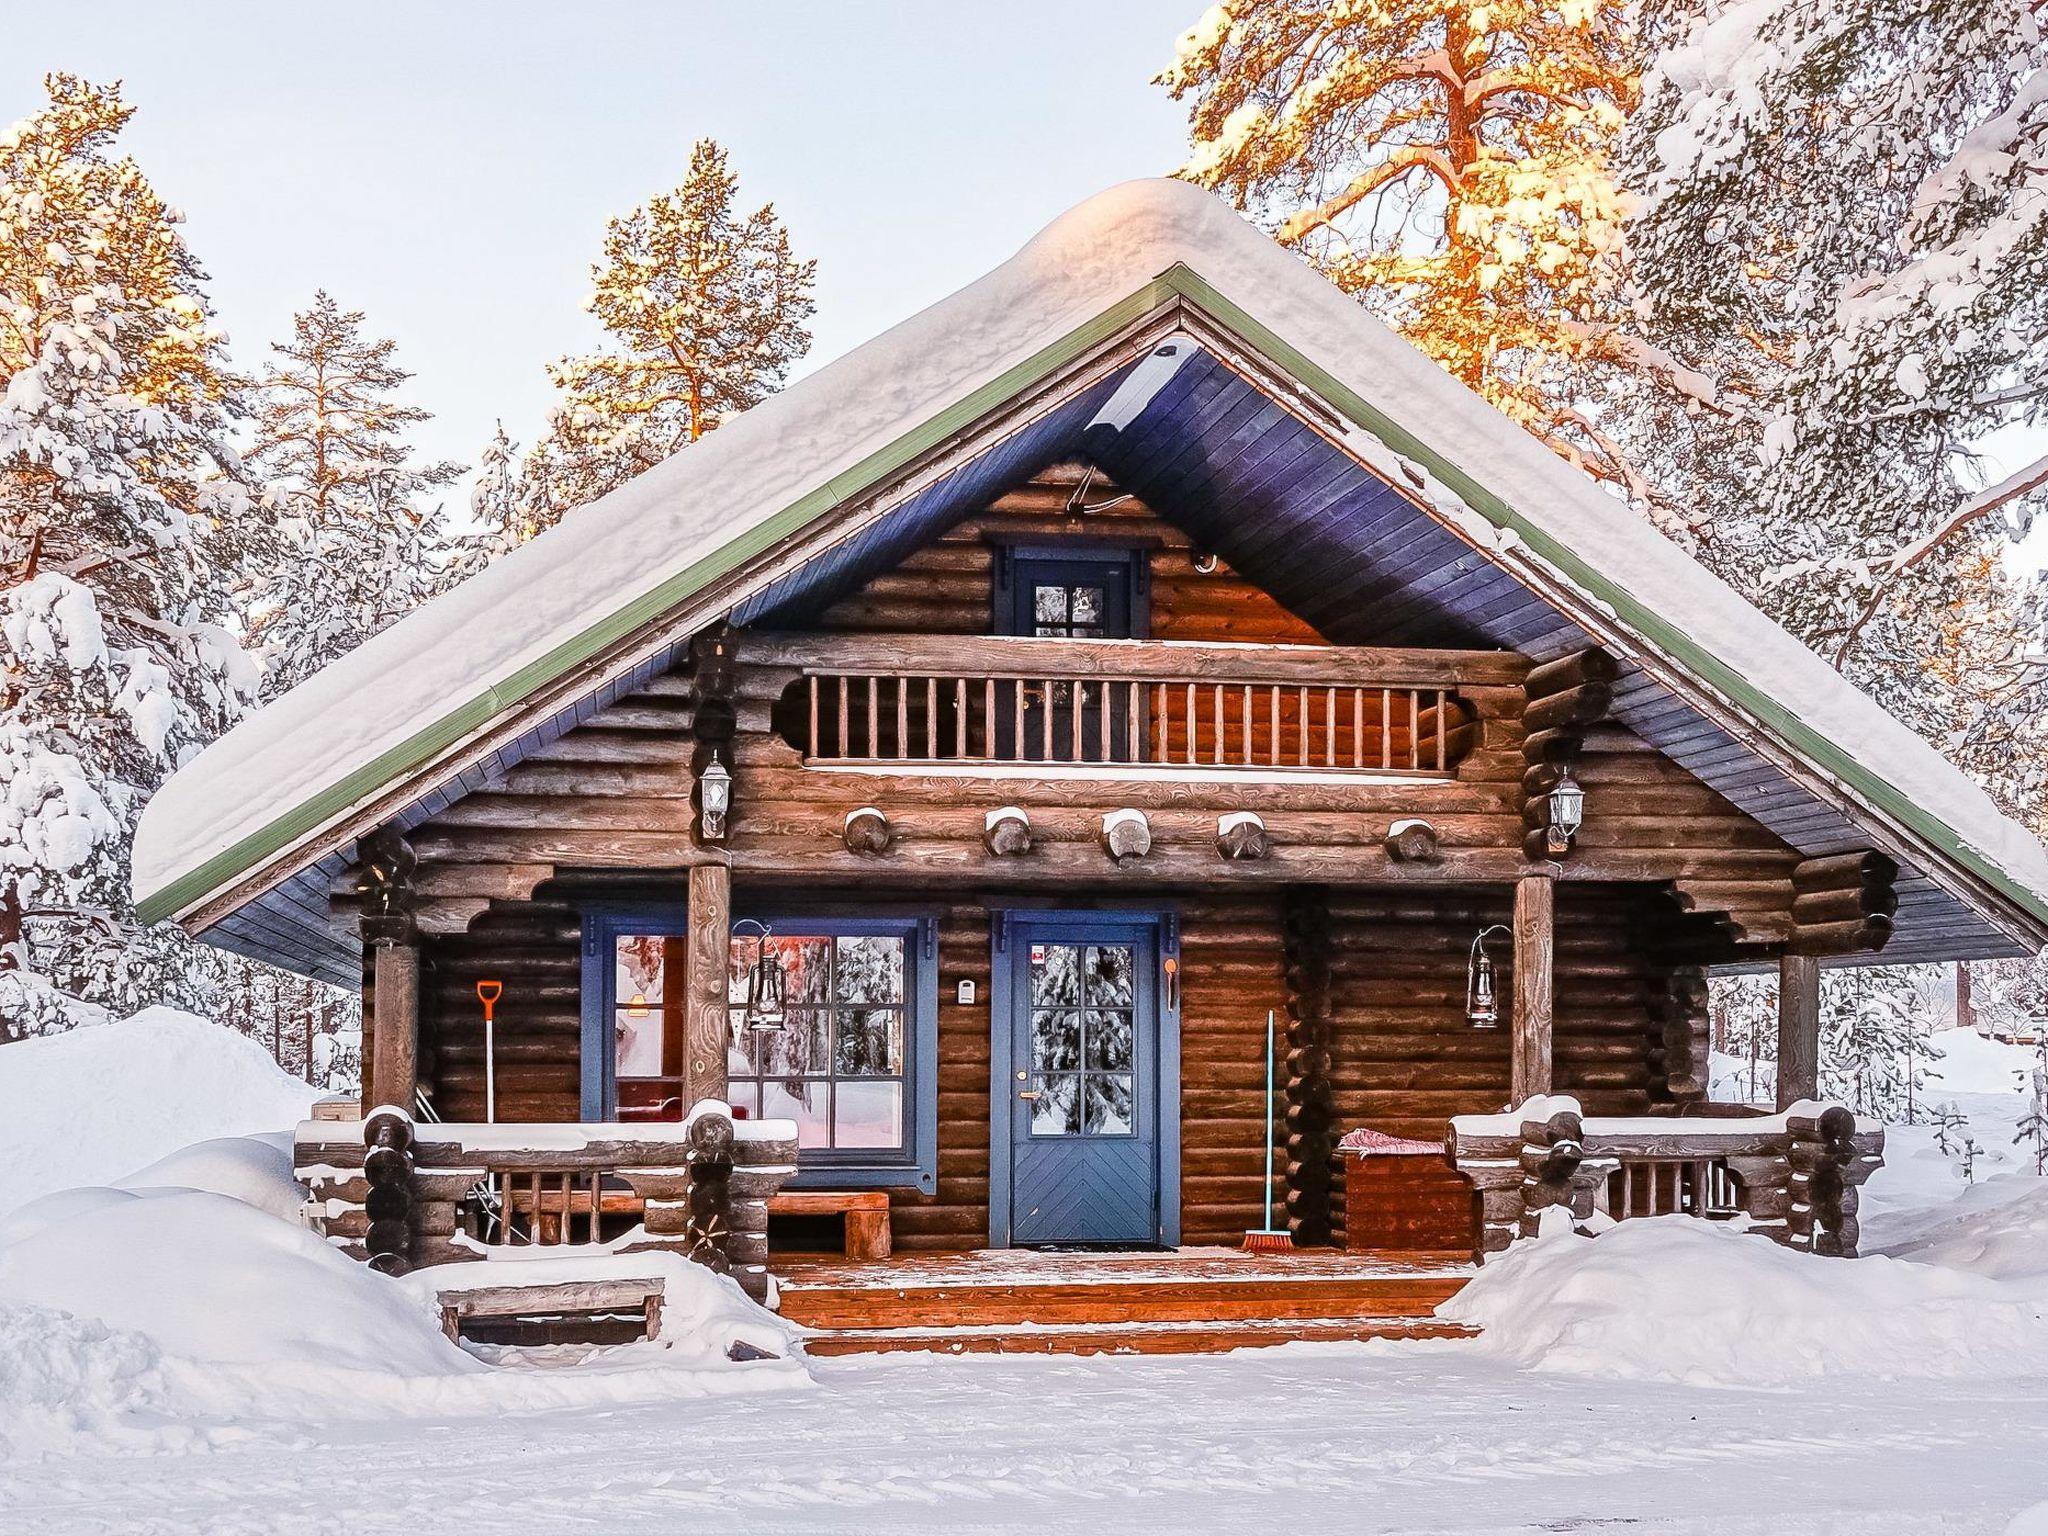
[448,167]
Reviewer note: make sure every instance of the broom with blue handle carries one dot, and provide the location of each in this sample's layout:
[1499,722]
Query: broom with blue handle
[1268,1239]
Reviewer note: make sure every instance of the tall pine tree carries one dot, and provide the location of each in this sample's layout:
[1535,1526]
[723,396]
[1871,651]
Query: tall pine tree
[1448,164]
[704,313]
[120,542]
[342,482]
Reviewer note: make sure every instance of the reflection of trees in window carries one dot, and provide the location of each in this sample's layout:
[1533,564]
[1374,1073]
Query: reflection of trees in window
[836,1066]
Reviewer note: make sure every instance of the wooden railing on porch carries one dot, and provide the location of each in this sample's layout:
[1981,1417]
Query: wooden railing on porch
[1792,1176]
[999,701]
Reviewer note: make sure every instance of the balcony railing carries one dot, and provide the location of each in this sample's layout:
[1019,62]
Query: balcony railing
[996,702]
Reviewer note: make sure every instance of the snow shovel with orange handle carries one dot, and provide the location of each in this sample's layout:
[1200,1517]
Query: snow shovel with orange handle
[488,993]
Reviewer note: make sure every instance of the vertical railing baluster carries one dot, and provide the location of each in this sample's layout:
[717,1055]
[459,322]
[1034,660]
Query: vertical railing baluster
[1105,747]
[1357,727]
[988,718]
[1247,725]
[1079,710]
[1386,728]
[1219,723]
[1045,718]
[1134,749]
[959,717]
[1330,725]
[1273,724]
[596,1204]
[1191,724]
[814,716]
[843,713]
[1017,747]
[1442,746]
[874,718]
[902,717]
[1301,725]
[1414,729]
[931,718]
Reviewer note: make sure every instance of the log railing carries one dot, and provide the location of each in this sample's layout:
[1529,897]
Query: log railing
[998,701]
[1791,1176]
[405,1194]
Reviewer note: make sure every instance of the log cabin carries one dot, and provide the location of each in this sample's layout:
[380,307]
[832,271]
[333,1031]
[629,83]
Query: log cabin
[906,809]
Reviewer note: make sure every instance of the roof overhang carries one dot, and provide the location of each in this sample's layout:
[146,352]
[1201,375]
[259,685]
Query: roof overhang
[777,496]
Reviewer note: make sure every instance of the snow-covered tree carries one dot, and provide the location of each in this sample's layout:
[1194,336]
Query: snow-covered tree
[704,313]
[1876,1042]
[342,482]
[1448,164]
[504,510]
[1842,240]
[120,540]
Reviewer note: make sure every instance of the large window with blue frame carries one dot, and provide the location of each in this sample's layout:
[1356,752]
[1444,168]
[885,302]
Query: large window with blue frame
[851,1058]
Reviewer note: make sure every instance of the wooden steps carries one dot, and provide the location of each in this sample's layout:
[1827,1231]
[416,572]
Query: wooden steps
[1073,1304]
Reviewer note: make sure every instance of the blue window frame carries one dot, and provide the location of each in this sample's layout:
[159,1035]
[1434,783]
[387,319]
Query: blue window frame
[855,1063]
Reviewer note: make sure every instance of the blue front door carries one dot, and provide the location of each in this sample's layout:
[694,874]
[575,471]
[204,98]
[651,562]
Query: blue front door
[1084,1078]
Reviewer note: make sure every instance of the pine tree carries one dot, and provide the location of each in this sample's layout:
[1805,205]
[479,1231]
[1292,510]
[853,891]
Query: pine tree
[1843,231]
[342,482]
[1446,163]
[704,312]
[120,542]
[1876,1043]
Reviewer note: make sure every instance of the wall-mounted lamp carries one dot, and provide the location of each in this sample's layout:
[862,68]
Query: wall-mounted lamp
[714,786]
[766,985]
[1567,812]
[1482,997]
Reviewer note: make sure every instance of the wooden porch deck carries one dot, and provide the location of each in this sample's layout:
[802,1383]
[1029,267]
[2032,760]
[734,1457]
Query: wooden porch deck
[1194,1301]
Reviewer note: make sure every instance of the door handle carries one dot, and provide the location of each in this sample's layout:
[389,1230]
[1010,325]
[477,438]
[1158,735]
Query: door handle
[1030,1093]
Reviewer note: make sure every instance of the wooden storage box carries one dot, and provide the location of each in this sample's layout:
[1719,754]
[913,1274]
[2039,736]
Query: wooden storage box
[1405,1197]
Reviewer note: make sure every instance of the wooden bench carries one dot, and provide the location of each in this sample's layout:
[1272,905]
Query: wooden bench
[866,1212]
[580,1298]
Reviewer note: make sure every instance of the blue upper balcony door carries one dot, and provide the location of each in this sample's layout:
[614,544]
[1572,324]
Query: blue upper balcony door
[1085,1080]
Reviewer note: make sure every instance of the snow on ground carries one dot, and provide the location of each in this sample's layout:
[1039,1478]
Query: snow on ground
[96,1104]
[1666,1377]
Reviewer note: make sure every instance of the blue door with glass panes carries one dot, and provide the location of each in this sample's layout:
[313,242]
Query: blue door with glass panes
[1083,1078]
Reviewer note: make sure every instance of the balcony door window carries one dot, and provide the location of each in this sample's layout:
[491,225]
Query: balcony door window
[1077,593]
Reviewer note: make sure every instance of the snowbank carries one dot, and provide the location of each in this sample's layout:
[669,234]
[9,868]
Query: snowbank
[93,1105]
[1674,1299]
[164,1319]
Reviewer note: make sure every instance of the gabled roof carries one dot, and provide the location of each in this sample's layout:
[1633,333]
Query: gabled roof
[1157,332]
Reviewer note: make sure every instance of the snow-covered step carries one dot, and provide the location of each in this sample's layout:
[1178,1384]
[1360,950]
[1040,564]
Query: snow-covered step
[1146,1338]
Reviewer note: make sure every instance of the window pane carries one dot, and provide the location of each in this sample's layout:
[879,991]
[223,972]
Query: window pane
[1109,1105]
[1049,605]
[1055,1040]
[870,970]
[739,1052]
[869,1115]
[1057,1110]
[808,1104]
[870,1042]
[1087,605]
[1109,1041]
[799,1048]
[1055,975]
[1109,975]
[637,970]
[639,1041]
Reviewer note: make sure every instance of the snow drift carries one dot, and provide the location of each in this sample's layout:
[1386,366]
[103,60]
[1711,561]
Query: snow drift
[95,1104]
[1674,1299]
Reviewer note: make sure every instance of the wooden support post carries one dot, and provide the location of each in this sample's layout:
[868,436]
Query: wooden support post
[705,1023]
[1535,923]
[395,1016]
[1798,1029]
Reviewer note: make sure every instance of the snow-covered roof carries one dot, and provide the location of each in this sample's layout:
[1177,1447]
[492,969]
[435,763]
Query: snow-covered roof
[270,795]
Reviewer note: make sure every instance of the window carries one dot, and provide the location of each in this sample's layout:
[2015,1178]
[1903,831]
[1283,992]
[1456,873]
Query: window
[852,1062]
[633,1030]
[1072,592]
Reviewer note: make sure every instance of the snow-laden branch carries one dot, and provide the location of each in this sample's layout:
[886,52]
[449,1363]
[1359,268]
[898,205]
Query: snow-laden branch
[1362,186]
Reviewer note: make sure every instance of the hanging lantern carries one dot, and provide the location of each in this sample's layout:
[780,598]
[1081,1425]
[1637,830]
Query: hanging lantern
[1482,996]
[1567,812]
[714,784]
[766,987]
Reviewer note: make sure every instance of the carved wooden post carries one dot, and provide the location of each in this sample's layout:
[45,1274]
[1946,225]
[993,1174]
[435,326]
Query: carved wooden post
[710,1223]
[1535,942]
[385,886]
[1311,1109]
[1798,1029]
[706,1026]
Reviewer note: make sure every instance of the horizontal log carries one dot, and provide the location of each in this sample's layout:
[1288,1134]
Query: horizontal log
[1592,665]
[1856,936]
[1569,709]
[1842,869]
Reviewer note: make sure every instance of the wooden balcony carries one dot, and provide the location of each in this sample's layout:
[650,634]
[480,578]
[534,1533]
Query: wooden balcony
[990,703]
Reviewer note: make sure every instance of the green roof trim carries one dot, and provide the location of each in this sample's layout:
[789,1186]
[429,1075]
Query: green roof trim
[194,887]
[1178,281]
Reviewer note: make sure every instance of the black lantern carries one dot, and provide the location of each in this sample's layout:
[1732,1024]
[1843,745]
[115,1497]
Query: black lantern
[1567,812]
[765,985]
[1482,997]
